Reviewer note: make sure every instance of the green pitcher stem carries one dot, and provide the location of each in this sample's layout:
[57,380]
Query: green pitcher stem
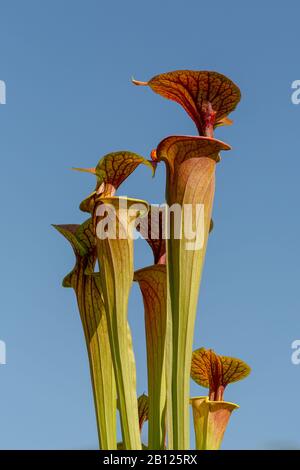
[101,367]
[169,369]
[190,163]
[92,313]
[184,268]
[116,273]
[152,281]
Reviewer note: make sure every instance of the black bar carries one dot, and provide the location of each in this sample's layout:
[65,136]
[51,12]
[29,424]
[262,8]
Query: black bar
[134,459]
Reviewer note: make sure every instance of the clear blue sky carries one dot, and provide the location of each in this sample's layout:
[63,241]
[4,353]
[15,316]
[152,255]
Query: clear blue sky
[67,66]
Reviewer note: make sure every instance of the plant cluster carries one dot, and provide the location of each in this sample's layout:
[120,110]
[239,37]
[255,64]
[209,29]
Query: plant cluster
[104,271]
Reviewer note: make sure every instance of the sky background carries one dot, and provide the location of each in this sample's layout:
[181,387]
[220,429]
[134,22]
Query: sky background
[67,67]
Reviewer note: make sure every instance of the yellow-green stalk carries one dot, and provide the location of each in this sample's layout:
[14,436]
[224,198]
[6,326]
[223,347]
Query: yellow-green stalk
[153,285]
[190,163]
[92,313]
[115,256]
[143,412]
[152,281]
